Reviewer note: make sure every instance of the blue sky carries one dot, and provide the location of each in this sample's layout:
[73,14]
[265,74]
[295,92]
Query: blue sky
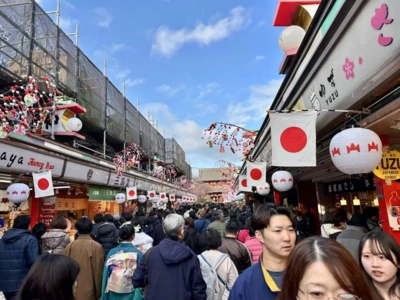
[191,62]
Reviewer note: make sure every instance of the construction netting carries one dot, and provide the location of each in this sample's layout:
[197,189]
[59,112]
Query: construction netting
[115,112]
[145,135]
[132,124]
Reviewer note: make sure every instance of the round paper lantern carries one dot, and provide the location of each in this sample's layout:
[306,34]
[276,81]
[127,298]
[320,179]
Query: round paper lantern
[142,199]
[120,198]
[18,193]
[179,200]
[264,190]
[356,150]
[282,181]
[291,37]
[74,124]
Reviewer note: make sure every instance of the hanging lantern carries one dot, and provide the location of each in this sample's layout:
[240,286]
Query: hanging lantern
[356,151]
[74,124]
[263,190]
[142,199]
[291,38]
[282,181]
[18,193]
[120,198]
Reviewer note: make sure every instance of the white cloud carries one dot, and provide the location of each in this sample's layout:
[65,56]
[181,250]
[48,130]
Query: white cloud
[206,89]
[68,4]
[117,47]
[254,108]
[67,24]
[166,41]
[259,57]
[134,82]
[122,74]
[169,90]
[103,17]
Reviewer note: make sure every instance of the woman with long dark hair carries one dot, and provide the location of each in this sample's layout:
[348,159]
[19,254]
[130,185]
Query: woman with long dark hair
[191,237]
[51,277]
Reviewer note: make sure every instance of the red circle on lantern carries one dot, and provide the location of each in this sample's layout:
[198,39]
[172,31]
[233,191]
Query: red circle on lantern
[43,184]
[256,174]
[131,193]
[244,182]
[293,139]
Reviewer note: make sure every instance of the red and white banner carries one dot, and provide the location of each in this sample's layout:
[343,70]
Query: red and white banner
[256,173]
[151,194]
[293,139]
[243,186]
[172,197]
[131,193]
[162,196]
[43,184]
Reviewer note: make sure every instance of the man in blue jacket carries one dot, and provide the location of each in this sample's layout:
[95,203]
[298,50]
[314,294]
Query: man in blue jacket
[171,270]
[18,251]
[274,228]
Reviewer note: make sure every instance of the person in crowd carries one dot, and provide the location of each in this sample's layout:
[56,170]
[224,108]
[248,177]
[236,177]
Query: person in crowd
[210,241]
[209,217]
[201,223]
[118,220]
[219,223]
[18,251]
[337,227]
[233,218]
[51,277]
[274,228]
[118,269]
[320,268]
[38,231]
[72,219]
[158,234]
[373,218]
[128,219]
[310,223]
[254,245]
[193,215]
[90,256]
[154,220]
[341,213]
[350,237]
[56,239]
[300,226]
[244,234]
[171,269]
[191,237]
[238,252]
[107,234]
[327,221]
[98,220]
[142,241]
[380,260]
[147,227]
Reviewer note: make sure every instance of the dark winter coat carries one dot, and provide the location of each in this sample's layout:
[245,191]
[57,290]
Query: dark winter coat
[173,273]
[158,235]
[107,236]
[18,251]
[95,229]
[201,225]
[238,252]
[154,221]
[192,240]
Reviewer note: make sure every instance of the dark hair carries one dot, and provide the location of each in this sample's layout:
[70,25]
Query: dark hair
[84,225]
[231,228]
[358,220]
[127,216]
[108,218]
[137,221]
[22,222]
[210,240]
[126,232]
[336,221]
[382,243]
[98,218]
[370,212]
[140,213]
[189,222]
[334,256]
[58,222]
[192,214]
[71,214]
[152,213]
[51,277]
[328,216]
[38,230]
[263,214]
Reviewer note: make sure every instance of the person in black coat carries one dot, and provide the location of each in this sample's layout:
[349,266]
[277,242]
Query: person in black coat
[18,251]
[192,237]
[108,234]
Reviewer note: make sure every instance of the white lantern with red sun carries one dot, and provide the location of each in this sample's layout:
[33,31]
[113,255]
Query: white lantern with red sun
[142,199]
[120,198]
[263,190]
[18,193]
[356,150]
[282,181]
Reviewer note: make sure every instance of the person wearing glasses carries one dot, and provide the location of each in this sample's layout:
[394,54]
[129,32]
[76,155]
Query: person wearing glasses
[322,269]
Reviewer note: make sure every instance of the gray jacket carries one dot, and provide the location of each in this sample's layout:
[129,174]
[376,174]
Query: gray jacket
[350,238]
[55,241]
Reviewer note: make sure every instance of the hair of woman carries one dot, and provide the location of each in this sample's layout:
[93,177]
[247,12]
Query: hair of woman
[126,232]
[59,222]
[210,240]
[337,259]
[189,222]
[382,243]
[52,276]
[38,230]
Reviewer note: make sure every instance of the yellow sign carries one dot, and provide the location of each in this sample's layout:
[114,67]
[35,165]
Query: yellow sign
[71,204]
[389,167]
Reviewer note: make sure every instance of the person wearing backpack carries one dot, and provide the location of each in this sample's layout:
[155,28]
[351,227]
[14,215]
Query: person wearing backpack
[218,270]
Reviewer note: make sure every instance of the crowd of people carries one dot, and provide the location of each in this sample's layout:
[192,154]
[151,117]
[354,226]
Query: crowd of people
[205,252]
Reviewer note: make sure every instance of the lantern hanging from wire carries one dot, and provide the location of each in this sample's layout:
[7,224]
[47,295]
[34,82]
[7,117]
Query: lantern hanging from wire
[18,193]
[263,190]
[120,198]
[282,181]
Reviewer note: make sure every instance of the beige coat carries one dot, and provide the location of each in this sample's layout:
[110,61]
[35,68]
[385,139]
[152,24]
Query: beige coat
[90,256]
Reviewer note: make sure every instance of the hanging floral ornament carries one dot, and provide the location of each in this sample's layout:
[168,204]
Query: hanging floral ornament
[282,181]
[129,157]
[18,193]
[356,151]
[120,198]
[142,199]
[264,190]
[221,149]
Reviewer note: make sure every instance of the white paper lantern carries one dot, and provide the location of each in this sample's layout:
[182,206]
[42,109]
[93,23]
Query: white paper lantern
[179,200]
[74,124]
[18,193]
[142,199]
[120,198]
[356,150]
[291,37]
[264,190]
[282,181]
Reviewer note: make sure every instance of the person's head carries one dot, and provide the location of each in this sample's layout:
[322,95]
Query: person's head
[127,216]
[51,277]
[320,268]
[338,222]
[108,218]
[153,213]
[274,228]
[22,222]
[59,222]
[358,220]
[380,260]
[137,223]
[71,216]
[231,229]
[210,240]
[38,230]
[127,233]
[219,215]
[192,214]
[140,213]
[98,219]
[201,213]
[371,213]
[189,223]
[84,226]
[173,226]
